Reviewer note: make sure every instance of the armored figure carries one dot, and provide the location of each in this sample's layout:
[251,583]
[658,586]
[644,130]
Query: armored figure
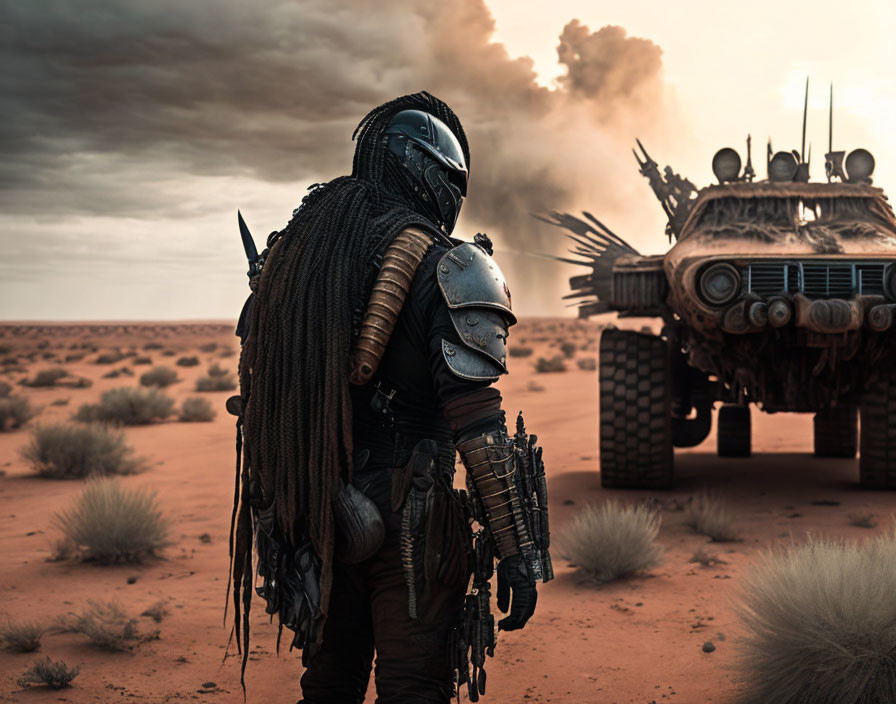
[370,345]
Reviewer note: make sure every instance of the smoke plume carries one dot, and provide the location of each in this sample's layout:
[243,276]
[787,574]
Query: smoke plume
[124,111]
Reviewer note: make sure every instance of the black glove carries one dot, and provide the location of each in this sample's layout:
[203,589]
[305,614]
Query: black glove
[513,575]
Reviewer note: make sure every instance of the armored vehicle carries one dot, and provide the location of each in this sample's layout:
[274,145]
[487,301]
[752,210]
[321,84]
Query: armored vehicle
[778,294]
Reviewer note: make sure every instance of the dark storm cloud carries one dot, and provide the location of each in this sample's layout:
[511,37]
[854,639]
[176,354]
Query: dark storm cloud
[115,108]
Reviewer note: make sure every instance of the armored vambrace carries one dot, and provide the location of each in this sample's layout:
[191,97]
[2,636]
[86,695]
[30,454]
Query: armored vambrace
[505,477]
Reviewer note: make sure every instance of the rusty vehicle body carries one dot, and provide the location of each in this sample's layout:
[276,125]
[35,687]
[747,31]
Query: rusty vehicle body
[778,294]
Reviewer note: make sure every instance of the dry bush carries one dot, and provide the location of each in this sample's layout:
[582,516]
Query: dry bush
[612,541]
[157,611]
[112,524]
[48,673]
[862,519]
[188,362]
[196,410]
[706,558]
[67,451]
[587,364]
[159,377]
[106,626]
[76,357]
[142,360]
[22,636]
[128,406]
[217,370]
[114,374]
[708,515]
[5,389]
[821,624]
[60,402]
[113,357]
[153,346]
[15,411]
[75,382]
[554,364]
[220,382]
[45,378]
[208,347]
[227,352]
[518,351]
[568,348]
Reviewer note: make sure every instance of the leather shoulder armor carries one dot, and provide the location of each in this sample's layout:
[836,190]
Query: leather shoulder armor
[479,305]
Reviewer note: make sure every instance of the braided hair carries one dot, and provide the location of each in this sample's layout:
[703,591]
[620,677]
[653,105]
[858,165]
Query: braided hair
[296,407]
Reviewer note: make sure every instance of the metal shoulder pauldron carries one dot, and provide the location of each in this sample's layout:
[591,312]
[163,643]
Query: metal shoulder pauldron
[479,305]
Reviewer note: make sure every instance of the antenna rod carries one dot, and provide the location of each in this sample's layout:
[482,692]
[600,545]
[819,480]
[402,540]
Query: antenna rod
[805,109]
[831,120]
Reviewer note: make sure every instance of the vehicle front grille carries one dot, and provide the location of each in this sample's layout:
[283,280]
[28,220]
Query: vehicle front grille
[815,279]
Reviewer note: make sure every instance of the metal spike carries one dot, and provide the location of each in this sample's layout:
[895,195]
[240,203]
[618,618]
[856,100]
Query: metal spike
[805,110]
[831,120]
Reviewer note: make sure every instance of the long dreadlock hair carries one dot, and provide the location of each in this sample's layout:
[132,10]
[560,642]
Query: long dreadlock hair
[296,407]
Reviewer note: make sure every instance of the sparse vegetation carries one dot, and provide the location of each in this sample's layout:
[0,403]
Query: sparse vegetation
[48,673]
[862,519]
[22,636]
[587,364]
[45,378]
[113,357]
[142,360]
[15,411]
[568,348]
[706,558]
[75,382]
[612,541]
[76,357]
[519,351]
[819,619]
[114,374]
[208,347]
[160,377]
[112,524]
[128,406]
[106,626]
[708,515]
[5,389]
[227,352]
[196,410]
[188,362]
[67,451]
[554,364]
[218,379]
[153,346]
[157,611]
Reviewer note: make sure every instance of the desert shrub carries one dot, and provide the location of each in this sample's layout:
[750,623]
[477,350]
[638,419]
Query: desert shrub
[10,361]
[188,362]
[76,357]
[105,624]
[208,347]
[45,377]
[862,519]
[114,374]
[195,410]
[568,349]
[60,402]
[49,673]
[708,515]
[113,357]
[820,618]
[519,351]
[554,364]
[586,364]
[126,371]
[227,352]
[127,406]
[142,360]
[153,346]
[5,389]
[5,349]
[157,611]
[217,370]
[216,383]
[706,558]
[75,382]
[22,636]
[66,451]
[612,541]
[159,376]
[112,524]
[15,411]
[169,353]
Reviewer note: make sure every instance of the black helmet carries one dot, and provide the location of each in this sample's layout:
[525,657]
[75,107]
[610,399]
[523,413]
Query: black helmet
[432,162]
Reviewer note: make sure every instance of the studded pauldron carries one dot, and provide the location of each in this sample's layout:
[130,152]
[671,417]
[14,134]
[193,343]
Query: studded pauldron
[479,305]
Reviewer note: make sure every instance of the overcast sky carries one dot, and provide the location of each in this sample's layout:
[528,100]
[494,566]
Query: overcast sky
[132,131]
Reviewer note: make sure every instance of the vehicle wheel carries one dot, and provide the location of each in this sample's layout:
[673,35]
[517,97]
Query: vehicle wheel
[734,431]
[635,412]
[877,461]
[837,432]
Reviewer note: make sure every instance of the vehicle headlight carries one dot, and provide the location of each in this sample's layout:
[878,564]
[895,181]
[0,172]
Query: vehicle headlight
[719,284]
[890,281]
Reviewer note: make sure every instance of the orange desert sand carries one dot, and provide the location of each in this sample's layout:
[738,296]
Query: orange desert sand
[635,641]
